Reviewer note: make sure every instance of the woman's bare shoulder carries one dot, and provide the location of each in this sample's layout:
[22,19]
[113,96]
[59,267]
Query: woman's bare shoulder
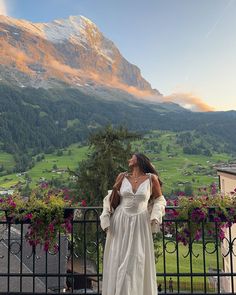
[125,173]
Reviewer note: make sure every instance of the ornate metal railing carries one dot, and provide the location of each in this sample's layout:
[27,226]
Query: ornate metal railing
[206,266]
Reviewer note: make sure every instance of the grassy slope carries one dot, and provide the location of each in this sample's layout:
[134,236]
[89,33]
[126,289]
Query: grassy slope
[185,266]
[6,160]
[172,170]
[44,168]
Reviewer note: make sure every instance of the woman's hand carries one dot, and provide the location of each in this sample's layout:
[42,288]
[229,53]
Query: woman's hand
[106,229]
[154,221]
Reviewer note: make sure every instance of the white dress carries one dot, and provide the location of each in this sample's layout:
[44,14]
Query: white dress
[129,262]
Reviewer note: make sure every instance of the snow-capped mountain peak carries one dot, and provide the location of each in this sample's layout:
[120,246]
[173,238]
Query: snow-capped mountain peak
[72,51]
[64,29]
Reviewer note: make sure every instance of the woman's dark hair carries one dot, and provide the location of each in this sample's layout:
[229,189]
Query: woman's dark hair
[145,165]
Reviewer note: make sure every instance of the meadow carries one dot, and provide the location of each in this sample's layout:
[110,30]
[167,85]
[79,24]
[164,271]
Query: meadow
[176,169]
[177,262]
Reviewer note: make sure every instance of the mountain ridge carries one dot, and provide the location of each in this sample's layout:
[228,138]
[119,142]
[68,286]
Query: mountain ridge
[72,51]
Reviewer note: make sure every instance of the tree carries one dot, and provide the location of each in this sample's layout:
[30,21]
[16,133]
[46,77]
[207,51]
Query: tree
[110,149]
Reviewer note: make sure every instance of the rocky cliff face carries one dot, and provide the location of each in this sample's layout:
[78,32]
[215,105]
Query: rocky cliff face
[71,51]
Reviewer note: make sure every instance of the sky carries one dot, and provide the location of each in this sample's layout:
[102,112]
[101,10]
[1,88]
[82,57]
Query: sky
[185,48]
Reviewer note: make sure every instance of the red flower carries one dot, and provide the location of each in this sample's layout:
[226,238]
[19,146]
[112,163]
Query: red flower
[51,227]
[46,246]
[83,203]
[29,216]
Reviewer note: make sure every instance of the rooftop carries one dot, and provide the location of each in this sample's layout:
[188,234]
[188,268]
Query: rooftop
[227,169]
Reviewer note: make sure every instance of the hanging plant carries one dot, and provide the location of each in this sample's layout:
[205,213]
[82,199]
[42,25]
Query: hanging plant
[47,211]
[216,210]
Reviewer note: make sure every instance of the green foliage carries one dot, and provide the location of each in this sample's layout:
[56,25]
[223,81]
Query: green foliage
[110,149]
[188,190]
[43,210]
[33,121]
[208,207]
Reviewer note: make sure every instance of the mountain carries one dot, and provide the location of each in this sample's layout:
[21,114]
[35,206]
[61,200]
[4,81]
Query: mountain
[33,121]
[67,52]
[61,80]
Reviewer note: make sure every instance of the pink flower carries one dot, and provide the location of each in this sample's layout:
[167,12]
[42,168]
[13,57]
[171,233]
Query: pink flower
[12,204]
[221,234]
[213,189]
[197,235]
[68,226]
[198,215]
[56,248]
[29,216]
[66,197]
[51,227]
[176,202]
[44,185]
[180,193]
[216,219]
[46,246]
[83,203]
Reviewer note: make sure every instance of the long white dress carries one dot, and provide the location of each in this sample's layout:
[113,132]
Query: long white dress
[129,263]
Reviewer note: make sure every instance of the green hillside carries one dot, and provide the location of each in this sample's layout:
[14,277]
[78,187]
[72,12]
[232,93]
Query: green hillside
[178,171]
[34,121]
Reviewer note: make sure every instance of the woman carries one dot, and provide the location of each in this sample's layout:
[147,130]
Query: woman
[129,262]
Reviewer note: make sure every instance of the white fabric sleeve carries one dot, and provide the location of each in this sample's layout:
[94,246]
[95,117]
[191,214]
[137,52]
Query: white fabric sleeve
[157,213]
[105,216]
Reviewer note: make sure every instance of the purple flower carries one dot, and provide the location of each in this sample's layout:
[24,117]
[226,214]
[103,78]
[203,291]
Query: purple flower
[213,189]
[83,203]
[66,197]
[187,232]
[68,226]
[216,219]
[198,215]
[29,216]
[51,227]
[221,235]
[197,235]
[12,204]
[44,185]
[46,246]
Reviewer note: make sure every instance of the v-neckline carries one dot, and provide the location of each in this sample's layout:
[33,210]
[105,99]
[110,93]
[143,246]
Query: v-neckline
[137,187]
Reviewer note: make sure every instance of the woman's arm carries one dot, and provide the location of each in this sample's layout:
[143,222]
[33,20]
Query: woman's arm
[156,187]
[106,212]
[119,179]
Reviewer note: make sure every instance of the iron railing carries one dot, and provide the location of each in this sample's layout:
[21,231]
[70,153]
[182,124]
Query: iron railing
[206,266]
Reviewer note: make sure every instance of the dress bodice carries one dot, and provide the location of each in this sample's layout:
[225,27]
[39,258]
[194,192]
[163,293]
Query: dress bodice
[134,203]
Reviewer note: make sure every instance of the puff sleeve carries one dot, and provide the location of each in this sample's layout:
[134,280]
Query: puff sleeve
[158,205]
[105,216]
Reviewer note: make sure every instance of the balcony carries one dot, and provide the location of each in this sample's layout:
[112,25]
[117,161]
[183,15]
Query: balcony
[206,266]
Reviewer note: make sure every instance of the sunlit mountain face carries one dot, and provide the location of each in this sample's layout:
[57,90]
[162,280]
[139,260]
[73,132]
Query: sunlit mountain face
[66,52]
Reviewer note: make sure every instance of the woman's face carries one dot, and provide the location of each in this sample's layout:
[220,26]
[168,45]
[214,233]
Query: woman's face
[132,161]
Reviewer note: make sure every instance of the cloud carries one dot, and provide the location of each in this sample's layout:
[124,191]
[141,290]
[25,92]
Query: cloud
[3,7]
[219,19]
[189,101]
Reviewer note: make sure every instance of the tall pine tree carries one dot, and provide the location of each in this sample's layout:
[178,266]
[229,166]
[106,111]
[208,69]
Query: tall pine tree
[110,149]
